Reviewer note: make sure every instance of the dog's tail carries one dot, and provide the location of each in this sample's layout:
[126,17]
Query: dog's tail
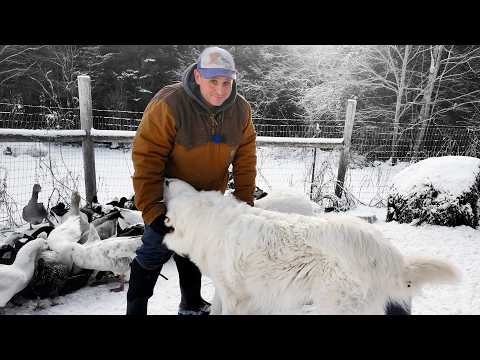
[420,271]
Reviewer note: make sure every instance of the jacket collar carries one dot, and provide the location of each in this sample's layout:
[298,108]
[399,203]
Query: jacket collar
[193,91]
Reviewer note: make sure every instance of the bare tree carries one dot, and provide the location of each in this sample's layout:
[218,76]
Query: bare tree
[16,60]
[424,118]
[56,74]
[398,105]
[458,87]
[389,70]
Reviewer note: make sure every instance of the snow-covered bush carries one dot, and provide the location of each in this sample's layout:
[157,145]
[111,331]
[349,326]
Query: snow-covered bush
[439,191]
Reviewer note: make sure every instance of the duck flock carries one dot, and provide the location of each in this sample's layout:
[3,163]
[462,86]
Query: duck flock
[68,247]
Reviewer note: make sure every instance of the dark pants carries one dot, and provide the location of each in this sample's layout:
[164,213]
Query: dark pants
[146,267]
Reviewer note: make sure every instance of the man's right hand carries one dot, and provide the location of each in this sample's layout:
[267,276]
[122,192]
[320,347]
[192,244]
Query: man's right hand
[158,225]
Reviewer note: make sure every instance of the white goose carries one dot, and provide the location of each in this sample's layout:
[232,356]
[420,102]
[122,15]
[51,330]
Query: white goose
[113,254]
[15,277]
[73,230]
[129,218]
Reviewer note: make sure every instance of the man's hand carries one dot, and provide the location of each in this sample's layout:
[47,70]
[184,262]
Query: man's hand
[158,225]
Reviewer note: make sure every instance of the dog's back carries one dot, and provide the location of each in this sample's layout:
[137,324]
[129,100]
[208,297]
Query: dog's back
[268,262]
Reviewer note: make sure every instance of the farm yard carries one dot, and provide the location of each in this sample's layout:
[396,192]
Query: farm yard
[282,170]
[386,133]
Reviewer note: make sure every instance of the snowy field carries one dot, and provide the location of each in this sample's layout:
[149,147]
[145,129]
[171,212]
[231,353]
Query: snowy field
[280,169]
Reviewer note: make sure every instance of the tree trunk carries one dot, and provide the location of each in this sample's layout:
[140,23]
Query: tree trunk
[401,87]
[427,99]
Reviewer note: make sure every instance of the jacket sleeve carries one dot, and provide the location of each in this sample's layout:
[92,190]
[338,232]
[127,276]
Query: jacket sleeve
[152,145]
[245,163]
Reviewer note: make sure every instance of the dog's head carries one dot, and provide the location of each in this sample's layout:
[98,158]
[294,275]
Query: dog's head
[178,196]
[189,211]
[175,187]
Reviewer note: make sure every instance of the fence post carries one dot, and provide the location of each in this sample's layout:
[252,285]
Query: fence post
[313,172]
[345,153]
[86,120]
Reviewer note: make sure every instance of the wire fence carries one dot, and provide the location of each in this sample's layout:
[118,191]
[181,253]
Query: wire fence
[58,166]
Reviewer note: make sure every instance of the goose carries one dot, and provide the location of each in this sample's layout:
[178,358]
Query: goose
[53,278]
[34,212]
[129,218]
[15,277]
[118,203]
[47,229]
[74,229]
[98,209]
[50,275]
[259,193]
[106,226]
[57,213]
[16,241]
[8,151]
[113,254]
[132,230]
[130,204]
[59,209]
[9,250]
[22,238]
[7,254]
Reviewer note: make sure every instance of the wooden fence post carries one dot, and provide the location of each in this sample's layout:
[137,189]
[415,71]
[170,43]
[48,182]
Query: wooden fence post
[345,153]
[313,172]
[86,120]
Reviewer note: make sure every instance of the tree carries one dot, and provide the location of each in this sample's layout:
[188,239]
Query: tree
[451,89]
[436,56]
[398,105]
[16,62]
[458,85]
[389,81]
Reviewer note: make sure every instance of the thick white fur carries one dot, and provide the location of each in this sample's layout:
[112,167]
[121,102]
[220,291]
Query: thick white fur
[266,262]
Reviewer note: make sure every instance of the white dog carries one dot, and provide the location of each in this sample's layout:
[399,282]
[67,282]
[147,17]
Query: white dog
[266,262]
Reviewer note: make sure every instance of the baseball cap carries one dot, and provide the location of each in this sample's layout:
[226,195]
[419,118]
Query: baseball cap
[215,61]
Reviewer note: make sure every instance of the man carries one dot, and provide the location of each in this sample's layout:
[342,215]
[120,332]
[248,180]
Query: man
[192,131]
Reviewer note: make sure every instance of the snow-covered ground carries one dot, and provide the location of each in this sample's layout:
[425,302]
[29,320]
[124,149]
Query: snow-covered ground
[282,169]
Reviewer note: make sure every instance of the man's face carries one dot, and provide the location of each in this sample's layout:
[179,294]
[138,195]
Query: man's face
[214,90]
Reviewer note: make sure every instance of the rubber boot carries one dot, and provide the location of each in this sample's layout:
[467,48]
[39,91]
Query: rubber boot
[190,279]
[140,289]
[394,308]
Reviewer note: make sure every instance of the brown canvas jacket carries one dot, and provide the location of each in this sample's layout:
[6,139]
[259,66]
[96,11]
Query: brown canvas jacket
[174,139]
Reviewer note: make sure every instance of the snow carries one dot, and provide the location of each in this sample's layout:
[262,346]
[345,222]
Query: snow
[42,133]
[280,169]
[287,203]
[282,140]
[128,135]
[460,245]
[448,174]
[144,91]
[34,149]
